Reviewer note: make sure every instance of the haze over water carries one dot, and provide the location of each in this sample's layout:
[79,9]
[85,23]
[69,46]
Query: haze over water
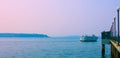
[57,17]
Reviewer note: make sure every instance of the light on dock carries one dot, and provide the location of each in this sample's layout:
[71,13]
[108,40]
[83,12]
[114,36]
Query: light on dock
[118,25]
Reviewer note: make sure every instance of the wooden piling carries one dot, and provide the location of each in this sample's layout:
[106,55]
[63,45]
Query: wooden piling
[103,50]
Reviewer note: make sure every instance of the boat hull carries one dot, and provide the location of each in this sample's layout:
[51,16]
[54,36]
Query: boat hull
[88,39]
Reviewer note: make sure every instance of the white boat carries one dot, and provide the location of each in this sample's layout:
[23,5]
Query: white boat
[92,38]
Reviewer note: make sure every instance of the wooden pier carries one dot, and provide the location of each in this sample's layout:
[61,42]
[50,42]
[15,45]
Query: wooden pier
[112,38]
[115,48]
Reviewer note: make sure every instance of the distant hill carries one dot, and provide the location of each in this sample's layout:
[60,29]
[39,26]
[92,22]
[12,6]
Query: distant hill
[22,35]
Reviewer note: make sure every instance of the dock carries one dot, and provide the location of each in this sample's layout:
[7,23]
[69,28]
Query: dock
[115,50]
[114,45]
[112,38]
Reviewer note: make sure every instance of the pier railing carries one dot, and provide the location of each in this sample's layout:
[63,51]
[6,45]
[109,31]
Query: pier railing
[115,29]
[114,32]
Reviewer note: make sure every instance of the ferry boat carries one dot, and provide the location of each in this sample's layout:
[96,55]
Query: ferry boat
[86,38]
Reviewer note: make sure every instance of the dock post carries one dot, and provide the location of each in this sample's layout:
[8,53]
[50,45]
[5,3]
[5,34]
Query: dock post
[105,40]
[111,52]
[118,55]
[103,50]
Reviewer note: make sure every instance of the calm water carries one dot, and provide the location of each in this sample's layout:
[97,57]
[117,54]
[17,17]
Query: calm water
[48,48]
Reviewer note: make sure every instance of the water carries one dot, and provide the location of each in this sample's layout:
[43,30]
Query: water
[48,48]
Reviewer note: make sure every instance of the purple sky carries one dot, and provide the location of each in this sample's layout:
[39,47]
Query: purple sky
[57,17]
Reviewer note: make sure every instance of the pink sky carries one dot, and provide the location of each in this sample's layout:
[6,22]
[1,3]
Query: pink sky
[57,17]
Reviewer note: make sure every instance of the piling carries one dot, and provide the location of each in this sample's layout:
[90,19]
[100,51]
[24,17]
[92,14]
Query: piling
[103,50]
[105,40]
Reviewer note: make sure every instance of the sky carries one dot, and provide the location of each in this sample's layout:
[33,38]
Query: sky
[57,17]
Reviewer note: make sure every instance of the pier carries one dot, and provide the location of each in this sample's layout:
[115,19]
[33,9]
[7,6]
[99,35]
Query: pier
[112,38]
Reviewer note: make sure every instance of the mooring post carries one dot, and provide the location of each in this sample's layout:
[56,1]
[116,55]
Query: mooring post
[118,54]
[118,25]
[111,51]
[103,50]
